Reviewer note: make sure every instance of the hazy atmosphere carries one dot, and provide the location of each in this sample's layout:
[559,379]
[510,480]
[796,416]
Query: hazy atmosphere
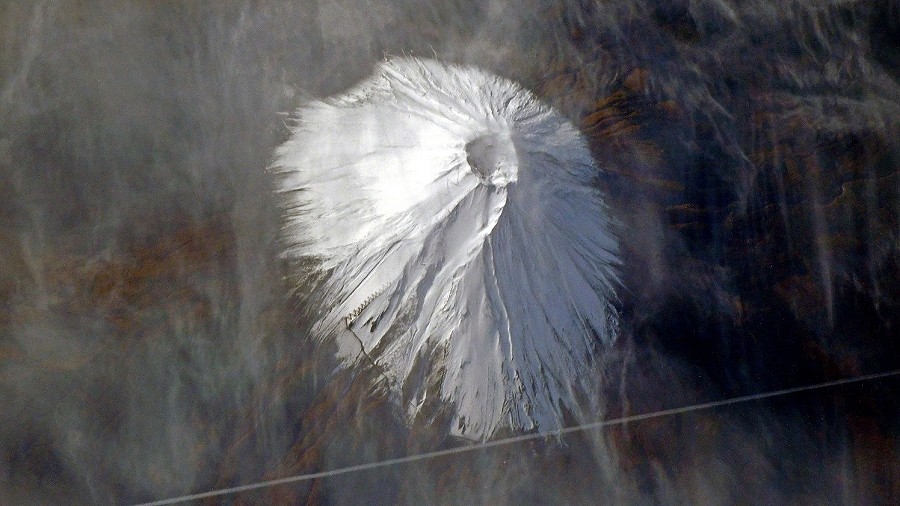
[155,341]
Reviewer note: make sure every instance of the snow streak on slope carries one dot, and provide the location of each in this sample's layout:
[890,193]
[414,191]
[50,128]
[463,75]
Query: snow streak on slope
[467,253]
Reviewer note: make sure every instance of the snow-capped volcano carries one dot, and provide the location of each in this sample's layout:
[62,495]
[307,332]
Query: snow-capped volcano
[466,251]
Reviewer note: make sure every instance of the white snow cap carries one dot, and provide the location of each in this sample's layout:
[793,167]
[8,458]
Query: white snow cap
[466,250]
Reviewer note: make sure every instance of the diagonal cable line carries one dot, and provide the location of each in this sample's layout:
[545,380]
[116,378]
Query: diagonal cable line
[517,439]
